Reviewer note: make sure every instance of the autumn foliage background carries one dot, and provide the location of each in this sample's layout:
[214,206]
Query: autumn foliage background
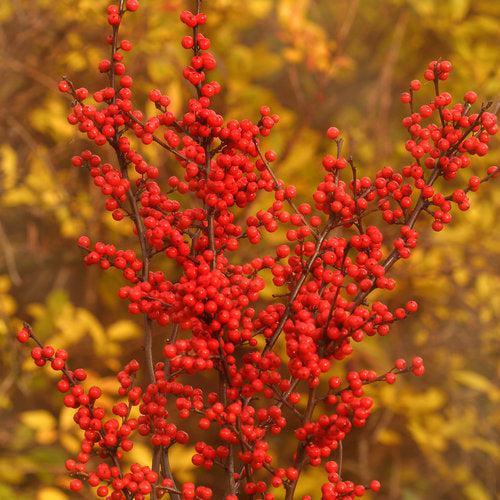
[317,63]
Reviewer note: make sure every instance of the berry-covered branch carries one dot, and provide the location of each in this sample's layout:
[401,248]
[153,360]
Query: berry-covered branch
[239,375]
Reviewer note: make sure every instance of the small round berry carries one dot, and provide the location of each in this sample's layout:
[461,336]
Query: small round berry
[102,491]
[126,45]
[57,364]
[417,361]
[445,66]
[415,85]
[23,335]
[132,5]
[400,364]
[332,133]
[271,155]
[470,97]
[63,86]
[75,485]
[84,241]
[411,306]
[405,98]
[95,392]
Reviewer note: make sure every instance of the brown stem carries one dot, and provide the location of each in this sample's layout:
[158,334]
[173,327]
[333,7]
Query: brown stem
[486,178]
[337,292]
[272,340]
[73,382]
[210,210]
[359,221]
[159,141]
[156,468]
[114,48]
[246,467]
[277,185]
[223,385]
[436,91]
[65,370]
[167,474]
[301,448]
[141,234]
[148,334]
[422,203]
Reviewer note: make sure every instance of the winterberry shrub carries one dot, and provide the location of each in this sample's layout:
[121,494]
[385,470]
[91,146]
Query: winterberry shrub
[270,366]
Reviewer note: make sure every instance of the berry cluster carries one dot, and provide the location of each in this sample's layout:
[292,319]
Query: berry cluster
[338,248]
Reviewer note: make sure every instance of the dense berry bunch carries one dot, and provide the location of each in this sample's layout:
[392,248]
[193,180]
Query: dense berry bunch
[270,367]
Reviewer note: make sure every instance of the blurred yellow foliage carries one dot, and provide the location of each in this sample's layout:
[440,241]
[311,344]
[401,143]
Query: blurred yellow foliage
[317,63]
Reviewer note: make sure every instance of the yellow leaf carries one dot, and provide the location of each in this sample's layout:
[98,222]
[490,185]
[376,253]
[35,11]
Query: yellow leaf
[92,324]
[19,196]
[75,323]
[123,330]
[70,227]
[388,437]
[181,457]
[423,432]
[51,118]
[292,54]
[477,382]
[48,493]
[76,61]
[140,453]
[259,8]
[43,423]
[175,93]
[5,10]
[113,353]
[476,491]
[5,284]
[8,166]
[66,429]
[7,305]
[431,400]
[70,443]
[38,418]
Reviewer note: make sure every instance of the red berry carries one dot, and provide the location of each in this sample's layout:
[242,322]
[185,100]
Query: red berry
[332,133]
[75,485]
[84,241]
[23,335]
[411,306]
[415,85]
[63,86]
[132,5]
[405,98]
[271,155]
